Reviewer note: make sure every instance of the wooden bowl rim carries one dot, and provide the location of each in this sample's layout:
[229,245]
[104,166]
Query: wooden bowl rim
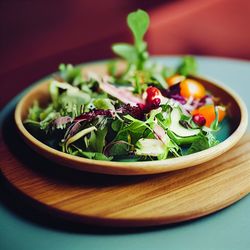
[134,168]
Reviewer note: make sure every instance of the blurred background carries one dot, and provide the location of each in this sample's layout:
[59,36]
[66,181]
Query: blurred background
[35,36]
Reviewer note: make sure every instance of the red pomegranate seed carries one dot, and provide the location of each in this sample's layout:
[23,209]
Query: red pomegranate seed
[155,103]
[141,106]
[199,120]
[152,92]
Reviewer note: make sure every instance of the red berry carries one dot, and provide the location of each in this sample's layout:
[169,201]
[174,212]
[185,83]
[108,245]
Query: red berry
[141,106]
[199,120]
[153,100]
[152,92]
[155,103]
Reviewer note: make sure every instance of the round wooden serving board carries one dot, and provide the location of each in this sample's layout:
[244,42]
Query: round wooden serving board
[131,200]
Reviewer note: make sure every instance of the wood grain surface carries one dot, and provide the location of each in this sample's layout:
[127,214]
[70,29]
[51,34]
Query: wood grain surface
[131,200]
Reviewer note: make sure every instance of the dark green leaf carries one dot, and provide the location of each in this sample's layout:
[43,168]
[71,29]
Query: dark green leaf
[198,145]
[119,148]
[116,125]
[97,140]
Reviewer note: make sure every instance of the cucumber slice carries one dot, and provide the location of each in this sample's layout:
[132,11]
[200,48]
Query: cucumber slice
[149,147]
[179,130]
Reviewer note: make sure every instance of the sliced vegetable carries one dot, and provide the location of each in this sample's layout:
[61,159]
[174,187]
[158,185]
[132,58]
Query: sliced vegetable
[177,128]
[150,147]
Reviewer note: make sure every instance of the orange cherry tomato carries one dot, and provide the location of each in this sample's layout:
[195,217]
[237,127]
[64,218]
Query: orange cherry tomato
[190,87]
[175,79]
[208,112]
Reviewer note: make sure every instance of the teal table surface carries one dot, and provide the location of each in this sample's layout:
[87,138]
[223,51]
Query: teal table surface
[24,228]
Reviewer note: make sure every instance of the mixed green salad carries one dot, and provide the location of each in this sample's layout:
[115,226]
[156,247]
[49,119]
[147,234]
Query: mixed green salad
[146,112]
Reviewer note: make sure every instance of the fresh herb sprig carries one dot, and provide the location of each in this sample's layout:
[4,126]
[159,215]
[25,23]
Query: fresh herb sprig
[135,54]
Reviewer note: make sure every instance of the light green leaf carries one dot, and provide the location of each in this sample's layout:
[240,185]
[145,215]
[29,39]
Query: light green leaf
[103,103]
[126,51]
[138,22]
[215,124]
[159,78]
[188,66]
[54,92]
[34,112]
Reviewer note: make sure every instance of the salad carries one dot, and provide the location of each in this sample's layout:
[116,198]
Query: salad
[145,112]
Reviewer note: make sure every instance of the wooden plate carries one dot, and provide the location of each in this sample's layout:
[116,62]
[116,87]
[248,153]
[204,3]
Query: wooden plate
[238,126]
[128,200]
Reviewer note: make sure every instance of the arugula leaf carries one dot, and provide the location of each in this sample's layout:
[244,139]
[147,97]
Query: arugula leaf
[72,103]
[116,125]
[97,140]
[70,74]
[44,124]
[119,148]
[198,145]
[34,112]
[103,103]
[134,129]
[202,143]
[89,155]
[188,66]
[211,139]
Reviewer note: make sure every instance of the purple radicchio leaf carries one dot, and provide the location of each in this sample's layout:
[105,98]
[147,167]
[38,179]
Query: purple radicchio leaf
[206,100]
[174,93]
[91,115]
[193,104]
[135,111]
[87,116]
[72,130]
